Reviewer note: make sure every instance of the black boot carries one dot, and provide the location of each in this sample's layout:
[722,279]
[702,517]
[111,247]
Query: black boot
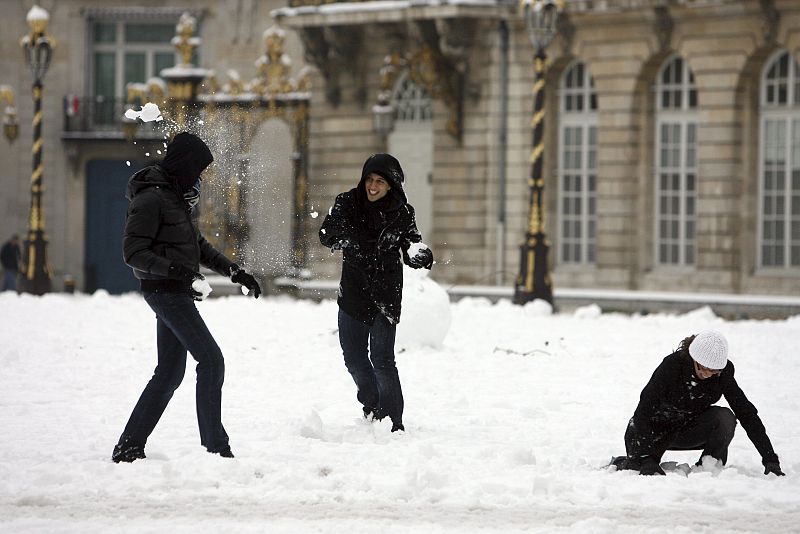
[127,450]
[225,453]
[398,426]
[373,414]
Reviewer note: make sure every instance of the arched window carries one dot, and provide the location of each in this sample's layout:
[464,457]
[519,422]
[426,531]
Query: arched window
[577,213]
[676,165]
[413,103]
[779,172]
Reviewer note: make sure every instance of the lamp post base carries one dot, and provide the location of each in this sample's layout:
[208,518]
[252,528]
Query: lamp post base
[34,278]
[533,281]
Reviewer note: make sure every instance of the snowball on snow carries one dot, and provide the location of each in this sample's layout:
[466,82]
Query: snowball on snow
[426,316]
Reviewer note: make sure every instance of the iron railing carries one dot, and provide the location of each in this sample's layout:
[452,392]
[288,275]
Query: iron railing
[97,114]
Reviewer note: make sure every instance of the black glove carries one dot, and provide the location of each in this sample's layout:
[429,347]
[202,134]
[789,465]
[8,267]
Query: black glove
[239,276]
[422,260]
[774,468]
[183,273]
[341,244]
[650,466]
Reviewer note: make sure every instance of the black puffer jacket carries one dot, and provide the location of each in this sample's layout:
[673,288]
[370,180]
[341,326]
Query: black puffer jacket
[675,396]
[159,231]
[374,252]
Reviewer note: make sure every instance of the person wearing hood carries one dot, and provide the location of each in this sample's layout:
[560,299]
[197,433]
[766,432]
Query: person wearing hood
[165,249]
[373,225]
[676,411]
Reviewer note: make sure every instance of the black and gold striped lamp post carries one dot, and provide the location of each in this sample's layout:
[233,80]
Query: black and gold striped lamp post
[533,281]
[38,46]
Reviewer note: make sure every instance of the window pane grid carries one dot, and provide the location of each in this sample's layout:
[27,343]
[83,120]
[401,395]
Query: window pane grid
[578,194]
[676,192]
[780,186]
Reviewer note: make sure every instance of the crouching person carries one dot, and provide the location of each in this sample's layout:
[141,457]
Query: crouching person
[373,225]
[165,249]
[676,411]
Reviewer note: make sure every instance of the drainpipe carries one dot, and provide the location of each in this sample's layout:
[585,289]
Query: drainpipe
[500,259]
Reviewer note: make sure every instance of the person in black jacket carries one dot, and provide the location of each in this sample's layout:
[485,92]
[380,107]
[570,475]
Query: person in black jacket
[9,258]
[676,411]
[374,227]
[165,250]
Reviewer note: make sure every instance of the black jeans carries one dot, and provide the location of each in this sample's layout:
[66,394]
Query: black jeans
[377,380]
[179,328]
[711,432]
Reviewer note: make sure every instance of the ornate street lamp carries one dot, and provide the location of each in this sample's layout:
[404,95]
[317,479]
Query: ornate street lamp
[38,47]
[533,281]
[10,124]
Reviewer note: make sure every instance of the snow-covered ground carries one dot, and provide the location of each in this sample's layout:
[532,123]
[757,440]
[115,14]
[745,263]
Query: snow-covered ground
[508,425]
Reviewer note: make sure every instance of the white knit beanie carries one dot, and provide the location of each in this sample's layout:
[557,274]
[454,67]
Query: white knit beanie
[709,349]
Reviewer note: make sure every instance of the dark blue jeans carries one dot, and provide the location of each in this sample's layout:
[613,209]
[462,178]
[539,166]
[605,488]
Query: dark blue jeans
[179,328]
[377,380]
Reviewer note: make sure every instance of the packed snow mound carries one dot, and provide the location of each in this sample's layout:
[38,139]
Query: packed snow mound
[592,311]
[426,316]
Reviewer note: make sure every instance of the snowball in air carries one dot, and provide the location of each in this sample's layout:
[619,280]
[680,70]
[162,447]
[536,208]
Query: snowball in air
[148,113]
[314,214]
[128,163]
[245,291]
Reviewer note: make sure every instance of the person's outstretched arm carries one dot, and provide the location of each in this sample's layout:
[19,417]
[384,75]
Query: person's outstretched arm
[747,414]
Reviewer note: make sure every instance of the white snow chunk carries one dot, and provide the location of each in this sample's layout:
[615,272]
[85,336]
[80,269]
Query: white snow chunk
[312,426]
[538,308]
[202,287]
[245,291]
[128,163]
[314,214]
[592,311]
[148,113]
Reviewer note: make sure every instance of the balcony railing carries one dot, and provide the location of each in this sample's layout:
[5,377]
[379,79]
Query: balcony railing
[99,115]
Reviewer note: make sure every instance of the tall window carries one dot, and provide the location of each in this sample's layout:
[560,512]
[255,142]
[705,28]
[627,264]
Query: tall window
[676,165]
[779,210]
[125,52]
[577,166]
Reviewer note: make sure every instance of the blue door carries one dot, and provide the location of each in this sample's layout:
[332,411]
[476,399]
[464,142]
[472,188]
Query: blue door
[106,206]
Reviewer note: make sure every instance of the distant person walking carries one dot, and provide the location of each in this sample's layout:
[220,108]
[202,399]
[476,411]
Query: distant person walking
[10,256]
[676,410]
[165,249]
[373,225]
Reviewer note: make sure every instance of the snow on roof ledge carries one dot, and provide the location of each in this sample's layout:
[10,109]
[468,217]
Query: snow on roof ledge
[378,6]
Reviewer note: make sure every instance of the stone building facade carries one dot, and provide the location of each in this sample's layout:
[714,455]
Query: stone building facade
[672,157]
[672,154]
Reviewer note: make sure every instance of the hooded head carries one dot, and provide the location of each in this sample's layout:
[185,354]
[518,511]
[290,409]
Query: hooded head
[187,157]
[387,166]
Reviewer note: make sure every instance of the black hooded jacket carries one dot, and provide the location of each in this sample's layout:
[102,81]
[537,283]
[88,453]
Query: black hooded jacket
[674,396]
[374,237]
[159,229]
